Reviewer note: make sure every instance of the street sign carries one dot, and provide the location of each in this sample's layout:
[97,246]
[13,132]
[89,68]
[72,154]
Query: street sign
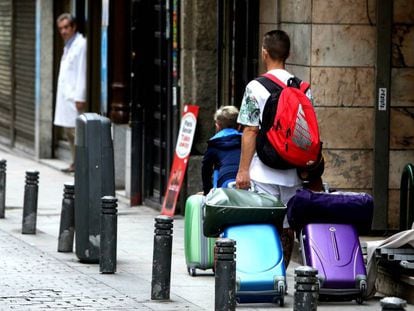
[182,153]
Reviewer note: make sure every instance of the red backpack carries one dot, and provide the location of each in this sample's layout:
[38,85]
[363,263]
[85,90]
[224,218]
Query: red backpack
[289,134]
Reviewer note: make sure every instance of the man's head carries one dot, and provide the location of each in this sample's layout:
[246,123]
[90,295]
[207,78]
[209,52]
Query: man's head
[66,25]
[226,117]
[276,46]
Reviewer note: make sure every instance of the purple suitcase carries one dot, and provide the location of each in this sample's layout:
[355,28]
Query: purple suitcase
[307,207]
[334,250]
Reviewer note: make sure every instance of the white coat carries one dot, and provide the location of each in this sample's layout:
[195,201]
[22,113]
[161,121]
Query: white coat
[71,86]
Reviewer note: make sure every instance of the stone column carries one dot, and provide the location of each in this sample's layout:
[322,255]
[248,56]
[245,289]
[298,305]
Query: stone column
[198,69]
[45,25]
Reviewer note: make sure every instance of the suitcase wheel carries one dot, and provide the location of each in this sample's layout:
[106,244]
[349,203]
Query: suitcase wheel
[282,301]
[282,291]
[191,271]
[363,291]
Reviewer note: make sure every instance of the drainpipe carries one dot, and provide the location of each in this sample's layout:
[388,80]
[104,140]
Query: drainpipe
[382,113]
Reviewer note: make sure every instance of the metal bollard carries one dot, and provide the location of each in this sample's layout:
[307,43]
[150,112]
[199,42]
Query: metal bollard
[306,289]
[109,219]
[393,304]
[67,219]
[2,187]
[161,260]
[225,275]
[30,202]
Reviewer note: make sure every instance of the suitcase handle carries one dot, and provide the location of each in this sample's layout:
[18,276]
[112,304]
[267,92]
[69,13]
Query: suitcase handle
[232,185]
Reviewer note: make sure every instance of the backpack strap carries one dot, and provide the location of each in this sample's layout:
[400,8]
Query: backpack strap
[272,87]
[303,86]
[269,85]
[274,79]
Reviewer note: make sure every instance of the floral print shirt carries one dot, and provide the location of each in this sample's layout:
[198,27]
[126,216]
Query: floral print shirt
[249,113]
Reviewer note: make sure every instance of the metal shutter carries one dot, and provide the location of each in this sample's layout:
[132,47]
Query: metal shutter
[24,70]
[6,70]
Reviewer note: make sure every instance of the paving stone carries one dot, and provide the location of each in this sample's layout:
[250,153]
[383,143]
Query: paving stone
[37,281]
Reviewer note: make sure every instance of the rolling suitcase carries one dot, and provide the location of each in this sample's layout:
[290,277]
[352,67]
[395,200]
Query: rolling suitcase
[334,250]
[199,250]
[250,218]
[94,178]
[308,206]
[260,268]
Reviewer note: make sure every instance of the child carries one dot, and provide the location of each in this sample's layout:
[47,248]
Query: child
[223,150]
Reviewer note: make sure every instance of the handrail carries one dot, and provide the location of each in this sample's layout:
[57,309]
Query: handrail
[407,197]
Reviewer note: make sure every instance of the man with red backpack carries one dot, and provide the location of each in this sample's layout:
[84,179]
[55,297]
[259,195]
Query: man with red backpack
[258,112]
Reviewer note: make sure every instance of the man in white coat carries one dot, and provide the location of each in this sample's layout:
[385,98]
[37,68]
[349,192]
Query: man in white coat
[71,87]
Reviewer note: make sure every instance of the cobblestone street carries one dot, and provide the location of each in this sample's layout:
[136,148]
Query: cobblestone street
[35,280]
[37,277]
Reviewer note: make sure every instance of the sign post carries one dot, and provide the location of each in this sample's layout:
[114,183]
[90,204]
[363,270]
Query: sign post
[181,155]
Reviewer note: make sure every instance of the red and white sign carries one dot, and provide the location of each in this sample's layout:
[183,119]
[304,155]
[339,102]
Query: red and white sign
[182,153]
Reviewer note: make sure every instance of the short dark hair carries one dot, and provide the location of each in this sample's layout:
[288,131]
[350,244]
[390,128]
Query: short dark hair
[277,44]
[226,117]
[68,16]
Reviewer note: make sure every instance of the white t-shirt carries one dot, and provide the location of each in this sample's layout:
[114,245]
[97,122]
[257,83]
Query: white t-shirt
[250,114]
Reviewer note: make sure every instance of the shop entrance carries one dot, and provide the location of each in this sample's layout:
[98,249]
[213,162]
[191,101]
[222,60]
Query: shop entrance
[237,46]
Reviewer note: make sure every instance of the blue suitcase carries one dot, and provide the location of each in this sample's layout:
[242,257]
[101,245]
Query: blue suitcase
[260,268]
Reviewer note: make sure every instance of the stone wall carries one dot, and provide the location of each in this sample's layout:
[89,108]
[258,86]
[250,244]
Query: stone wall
[402,101]
[334,49]
[198,78]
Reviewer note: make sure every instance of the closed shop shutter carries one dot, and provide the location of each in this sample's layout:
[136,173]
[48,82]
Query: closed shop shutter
[24,70]
[5,70]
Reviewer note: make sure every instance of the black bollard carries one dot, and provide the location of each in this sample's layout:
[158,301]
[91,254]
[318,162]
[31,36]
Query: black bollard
[306,289]
[393,304]
[2,187]
[225,275]
[30,202]
[161,260]
[67,219]
[107,256]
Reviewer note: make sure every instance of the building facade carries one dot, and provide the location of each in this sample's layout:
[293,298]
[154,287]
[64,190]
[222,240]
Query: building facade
[147,59]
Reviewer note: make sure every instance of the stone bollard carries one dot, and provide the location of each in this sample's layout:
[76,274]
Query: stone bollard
[306,289]
[161,260]
[67,219]
[225,275]
[393,304]
[3,164]
[109,219]
[30,202]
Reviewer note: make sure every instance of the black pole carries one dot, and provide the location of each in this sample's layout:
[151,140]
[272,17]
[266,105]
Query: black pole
[30,202]
[393,303]
[67,219]
[225,275]
[306,289]
[109,219]
[219,45]
[161,260]
[382,110]
[407,197]
[3,164]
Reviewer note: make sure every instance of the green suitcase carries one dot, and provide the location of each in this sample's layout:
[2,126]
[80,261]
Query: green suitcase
[199,250]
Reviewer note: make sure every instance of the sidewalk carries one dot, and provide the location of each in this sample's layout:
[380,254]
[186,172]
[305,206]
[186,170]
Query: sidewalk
[36,277]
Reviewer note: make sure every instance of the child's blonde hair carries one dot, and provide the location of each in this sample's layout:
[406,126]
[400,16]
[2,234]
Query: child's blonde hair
[226,117]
